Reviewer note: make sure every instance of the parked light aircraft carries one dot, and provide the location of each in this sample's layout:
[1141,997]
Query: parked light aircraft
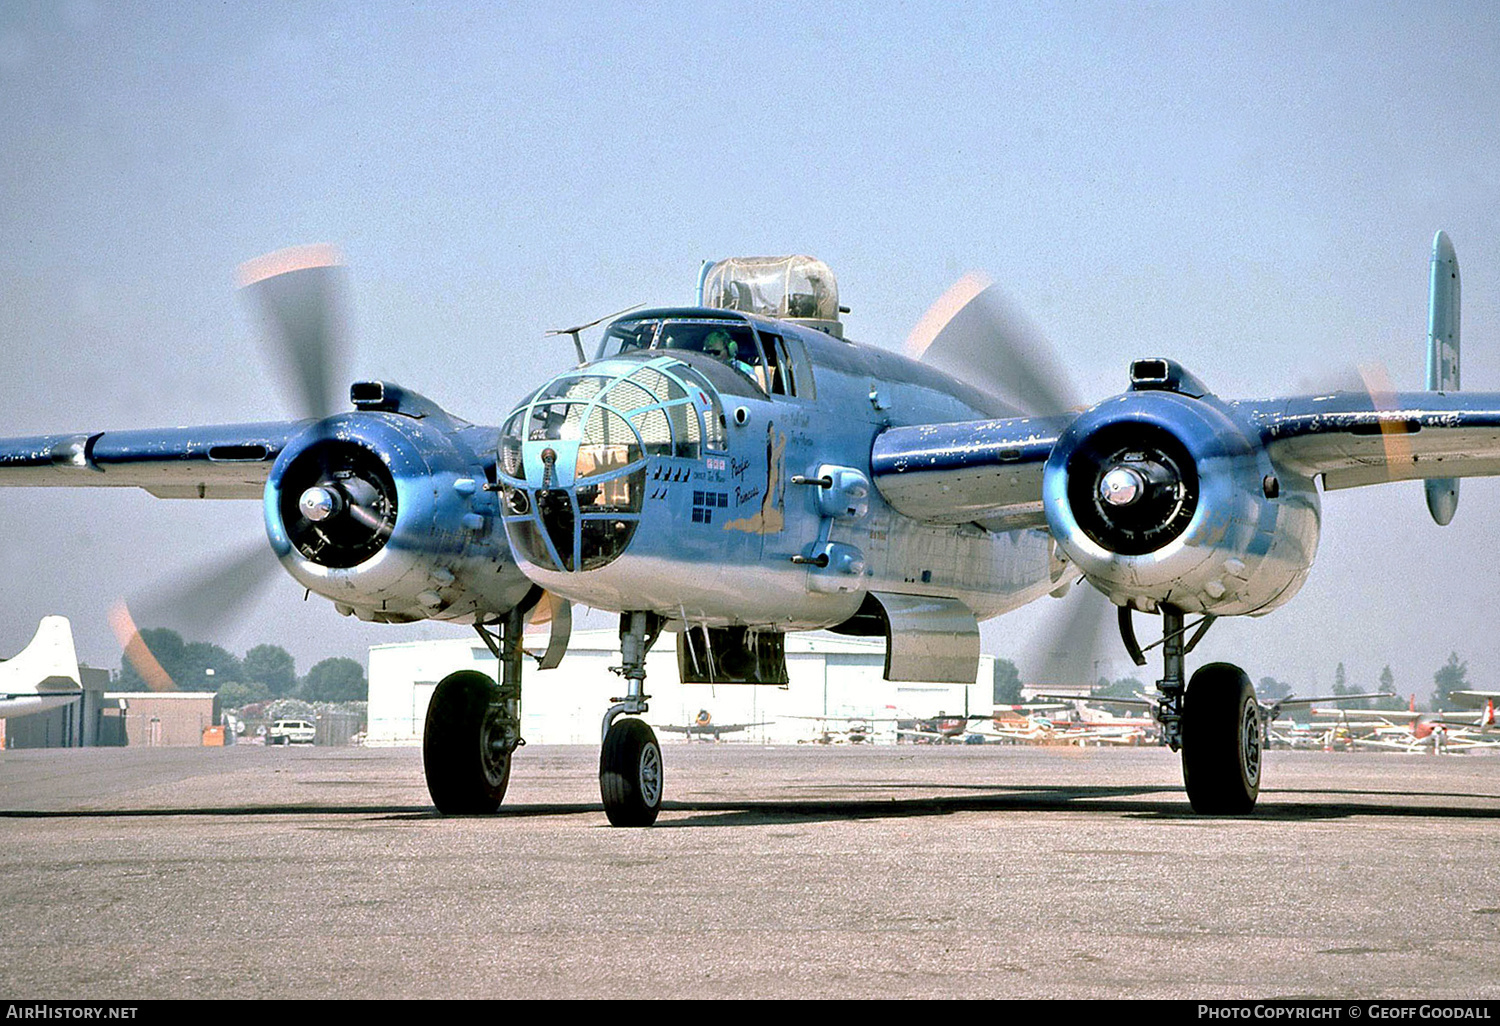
[852,730]
[939,729]
[1413,731]
[1037,729]
[703,725]
[736,469]
[44,674]
[955,729]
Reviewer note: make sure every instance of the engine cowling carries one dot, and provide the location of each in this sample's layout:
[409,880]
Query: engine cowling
[385,512]
[1162,495]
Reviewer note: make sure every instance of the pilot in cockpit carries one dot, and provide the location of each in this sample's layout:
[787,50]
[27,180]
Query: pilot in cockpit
[721,347]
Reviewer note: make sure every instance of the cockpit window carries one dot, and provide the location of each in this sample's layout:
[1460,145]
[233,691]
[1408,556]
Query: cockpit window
[713,417]
[731,343]
[626,337]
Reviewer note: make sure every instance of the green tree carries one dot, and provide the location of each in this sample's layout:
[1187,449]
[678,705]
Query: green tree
[335,680]
[271,666]
[1007,683]
[1125,687]
[186,662]
[1453,676]
[237,694]
[1388,686]
[1269,689]
[198,658]
[166,646]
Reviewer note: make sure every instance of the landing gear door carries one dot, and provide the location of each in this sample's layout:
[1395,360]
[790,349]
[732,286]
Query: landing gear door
[929,639]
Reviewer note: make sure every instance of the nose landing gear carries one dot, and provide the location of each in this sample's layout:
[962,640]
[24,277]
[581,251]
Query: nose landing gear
[630,766]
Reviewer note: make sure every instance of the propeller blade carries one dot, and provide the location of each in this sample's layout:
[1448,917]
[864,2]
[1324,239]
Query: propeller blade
[973,333]
[136,650]
[299,292]
[200,604]
[1066,649]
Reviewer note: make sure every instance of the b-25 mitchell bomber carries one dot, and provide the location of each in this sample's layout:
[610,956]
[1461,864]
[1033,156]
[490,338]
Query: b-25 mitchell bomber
[736,469]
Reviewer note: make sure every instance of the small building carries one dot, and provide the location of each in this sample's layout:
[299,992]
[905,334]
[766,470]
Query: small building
[156,719]
[834,681]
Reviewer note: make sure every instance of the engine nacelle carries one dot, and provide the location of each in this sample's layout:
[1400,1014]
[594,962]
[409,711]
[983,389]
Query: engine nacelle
[1162,495]
[384,511]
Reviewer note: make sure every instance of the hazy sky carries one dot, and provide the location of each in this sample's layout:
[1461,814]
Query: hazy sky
[1249,188]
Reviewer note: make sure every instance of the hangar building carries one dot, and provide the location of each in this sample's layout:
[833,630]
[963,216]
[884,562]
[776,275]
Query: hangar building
[831,676]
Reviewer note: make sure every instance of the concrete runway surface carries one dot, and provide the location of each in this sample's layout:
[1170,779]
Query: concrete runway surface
[801,872]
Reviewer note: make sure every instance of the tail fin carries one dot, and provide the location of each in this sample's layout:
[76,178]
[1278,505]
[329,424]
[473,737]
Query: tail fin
[48,665]
[1442,357]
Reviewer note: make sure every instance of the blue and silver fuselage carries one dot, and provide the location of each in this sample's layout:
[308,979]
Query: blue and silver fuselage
[688,471]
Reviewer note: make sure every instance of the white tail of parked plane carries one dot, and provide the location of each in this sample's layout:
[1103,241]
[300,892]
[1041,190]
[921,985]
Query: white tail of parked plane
[44,674]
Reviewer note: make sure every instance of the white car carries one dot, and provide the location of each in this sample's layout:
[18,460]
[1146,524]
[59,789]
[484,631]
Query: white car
[291,732]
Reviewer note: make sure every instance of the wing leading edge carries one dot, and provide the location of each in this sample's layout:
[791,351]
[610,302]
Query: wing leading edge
[1349,440]
[222,462]
[990,472]
[987,472]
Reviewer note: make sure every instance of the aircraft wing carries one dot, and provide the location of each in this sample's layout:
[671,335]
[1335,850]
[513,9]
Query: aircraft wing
[1352,439]
[990,472]
[1143,703]
[987,471]
[1474,699]
[221,462]
[708,728]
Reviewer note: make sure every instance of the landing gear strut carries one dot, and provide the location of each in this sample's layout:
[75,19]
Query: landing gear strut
[473,727]
[1212,719]
[630,767]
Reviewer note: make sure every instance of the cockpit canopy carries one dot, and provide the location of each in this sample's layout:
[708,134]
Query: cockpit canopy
[787,288]
[770,362]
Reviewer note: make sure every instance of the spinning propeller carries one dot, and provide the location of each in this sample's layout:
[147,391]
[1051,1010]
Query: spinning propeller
[300,294]
[974,333]
[1131,490]
[335,487]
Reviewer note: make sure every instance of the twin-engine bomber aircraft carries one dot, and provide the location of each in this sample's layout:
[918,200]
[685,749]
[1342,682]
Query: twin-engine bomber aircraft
[737,469]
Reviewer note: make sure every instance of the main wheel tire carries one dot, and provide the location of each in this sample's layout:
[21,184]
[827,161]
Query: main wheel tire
[630,773]
[1221,741]
[466,774]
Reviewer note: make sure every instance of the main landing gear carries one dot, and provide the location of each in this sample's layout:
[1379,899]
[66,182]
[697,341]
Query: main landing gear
[474,728]
[1213,720]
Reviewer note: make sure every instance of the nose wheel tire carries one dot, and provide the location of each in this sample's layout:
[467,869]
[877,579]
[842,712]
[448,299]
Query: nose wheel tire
[1221,741]
[630,773]
[463,750]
